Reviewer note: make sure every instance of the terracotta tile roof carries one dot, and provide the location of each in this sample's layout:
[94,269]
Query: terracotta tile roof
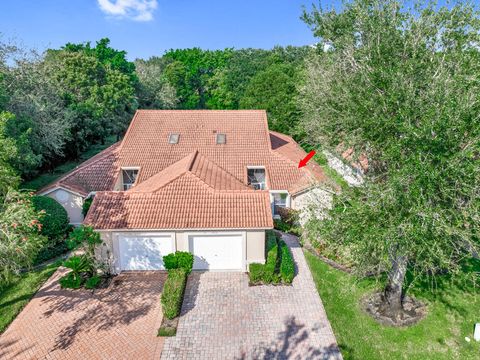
[98,173]
[183,204]
[197,165]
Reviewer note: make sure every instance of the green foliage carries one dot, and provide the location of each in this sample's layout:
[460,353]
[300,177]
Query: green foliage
[179,260]
[50,251]
[287,265]
[279,265]
[167,331]
[55,222]
[400,87]
[78,265]
[86,237]
[170,261]
[256,273]
[172,294]
[93,282]
[70,281]
[86,205]
[20,239]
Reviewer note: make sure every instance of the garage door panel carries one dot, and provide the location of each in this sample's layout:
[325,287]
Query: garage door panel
[217,252]
[144,252]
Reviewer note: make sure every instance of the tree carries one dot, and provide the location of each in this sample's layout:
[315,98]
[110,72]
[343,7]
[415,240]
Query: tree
[400,86]
[154,91]
[275,90]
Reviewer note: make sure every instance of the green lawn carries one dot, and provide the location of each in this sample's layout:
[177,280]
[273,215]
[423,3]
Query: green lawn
[452,312]
[49,177]
[17,294]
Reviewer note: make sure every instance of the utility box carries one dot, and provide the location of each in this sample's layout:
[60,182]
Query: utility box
[476,332]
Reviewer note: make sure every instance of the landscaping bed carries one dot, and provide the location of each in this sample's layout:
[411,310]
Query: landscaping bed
[179,265]
[279,267]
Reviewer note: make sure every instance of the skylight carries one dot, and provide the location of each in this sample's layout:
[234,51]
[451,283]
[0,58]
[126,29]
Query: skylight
[221,138]
[173,138]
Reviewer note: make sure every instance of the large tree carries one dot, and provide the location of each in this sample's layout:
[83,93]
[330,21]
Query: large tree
[401,86]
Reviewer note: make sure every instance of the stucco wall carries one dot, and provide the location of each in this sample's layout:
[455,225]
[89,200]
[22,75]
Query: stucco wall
[73,204]
[109,250]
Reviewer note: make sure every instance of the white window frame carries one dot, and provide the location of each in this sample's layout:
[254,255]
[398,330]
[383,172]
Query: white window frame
[288,201]
[129,168]
[257,168]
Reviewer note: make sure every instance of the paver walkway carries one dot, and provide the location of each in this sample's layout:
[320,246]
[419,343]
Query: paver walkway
[120,322]
[224,318]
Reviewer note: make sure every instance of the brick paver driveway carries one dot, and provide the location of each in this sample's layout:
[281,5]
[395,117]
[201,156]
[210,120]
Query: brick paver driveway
[120,322]
[224,318]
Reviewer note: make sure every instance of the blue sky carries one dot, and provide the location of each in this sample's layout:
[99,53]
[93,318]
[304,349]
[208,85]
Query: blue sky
[149,27]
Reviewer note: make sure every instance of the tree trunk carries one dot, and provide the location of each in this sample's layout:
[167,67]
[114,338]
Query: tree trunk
[393,294]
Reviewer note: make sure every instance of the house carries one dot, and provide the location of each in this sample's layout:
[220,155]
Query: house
[204,181]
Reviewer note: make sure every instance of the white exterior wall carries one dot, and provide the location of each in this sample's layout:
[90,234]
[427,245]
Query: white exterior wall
[72,203]
[109,250]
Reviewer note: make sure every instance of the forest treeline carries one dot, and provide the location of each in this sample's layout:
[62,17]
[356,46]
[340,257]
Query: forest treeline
[55,105]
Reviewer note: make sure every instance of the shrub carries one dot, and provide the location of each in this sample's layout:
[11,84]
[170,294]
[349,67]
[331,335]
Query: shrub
[70,281]
[170,261]
[270,273]
[185,260]
[93,282]
[78,265]
[287,265]
[55,222]
[172,295]
[256,273]
[86,205]
[49,252]
[179,259]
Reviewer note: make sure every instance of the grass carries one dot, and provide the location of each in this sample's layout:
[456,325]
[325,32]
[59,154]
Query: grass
[453,308]
[49,177]
[15,295]
[167,331]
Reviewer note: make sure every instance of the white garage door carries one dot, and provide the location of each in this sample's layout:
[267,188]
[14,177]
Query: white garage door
[144,252]
[217,252]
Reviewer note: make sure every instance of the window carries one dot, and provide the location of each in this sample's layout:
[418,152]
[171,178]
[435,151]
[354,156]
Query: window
[279,200]
[173,138]
[256,178]
[128,177]
[221,139]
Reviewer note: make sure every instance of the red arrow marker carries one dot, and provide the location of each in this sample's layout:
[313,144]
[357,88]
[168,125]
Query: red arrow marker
[306,159]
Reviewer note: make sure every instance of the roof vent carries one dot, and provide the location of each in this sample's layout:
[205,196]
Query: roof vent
[173,138]
[221,138]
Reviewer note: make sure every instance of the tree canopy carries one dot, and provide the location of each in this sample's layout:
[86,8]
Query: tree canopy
[400,86]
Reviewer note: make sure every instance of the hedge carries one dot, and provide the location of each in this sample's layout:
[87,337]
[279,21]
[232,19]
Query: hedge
[55,222]
[287,265]
[172,295]
[179,259]
[270,274]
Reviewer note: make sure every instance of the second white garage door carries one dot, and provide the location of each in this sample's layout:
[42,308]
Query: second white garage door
[217,252]
[144,252]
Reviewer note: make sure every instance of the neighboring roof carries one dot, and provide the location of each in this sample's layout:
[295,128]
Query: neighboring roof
[99,173]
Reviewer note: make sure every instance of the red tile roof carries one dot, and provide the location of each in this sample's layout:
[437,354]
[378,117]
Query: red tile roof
[196,180]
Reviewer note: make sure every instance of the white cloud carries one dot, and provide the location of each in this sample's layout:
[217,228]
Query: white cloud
[137,10]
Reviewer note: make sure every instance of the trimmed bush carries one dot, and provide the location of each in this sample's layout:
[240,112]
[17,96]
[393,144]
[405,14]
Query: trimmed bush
[256,273]
[185,260]
[287,265]
[179,259]
[270,273]
[170,261]
[55,222]
[172,295]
